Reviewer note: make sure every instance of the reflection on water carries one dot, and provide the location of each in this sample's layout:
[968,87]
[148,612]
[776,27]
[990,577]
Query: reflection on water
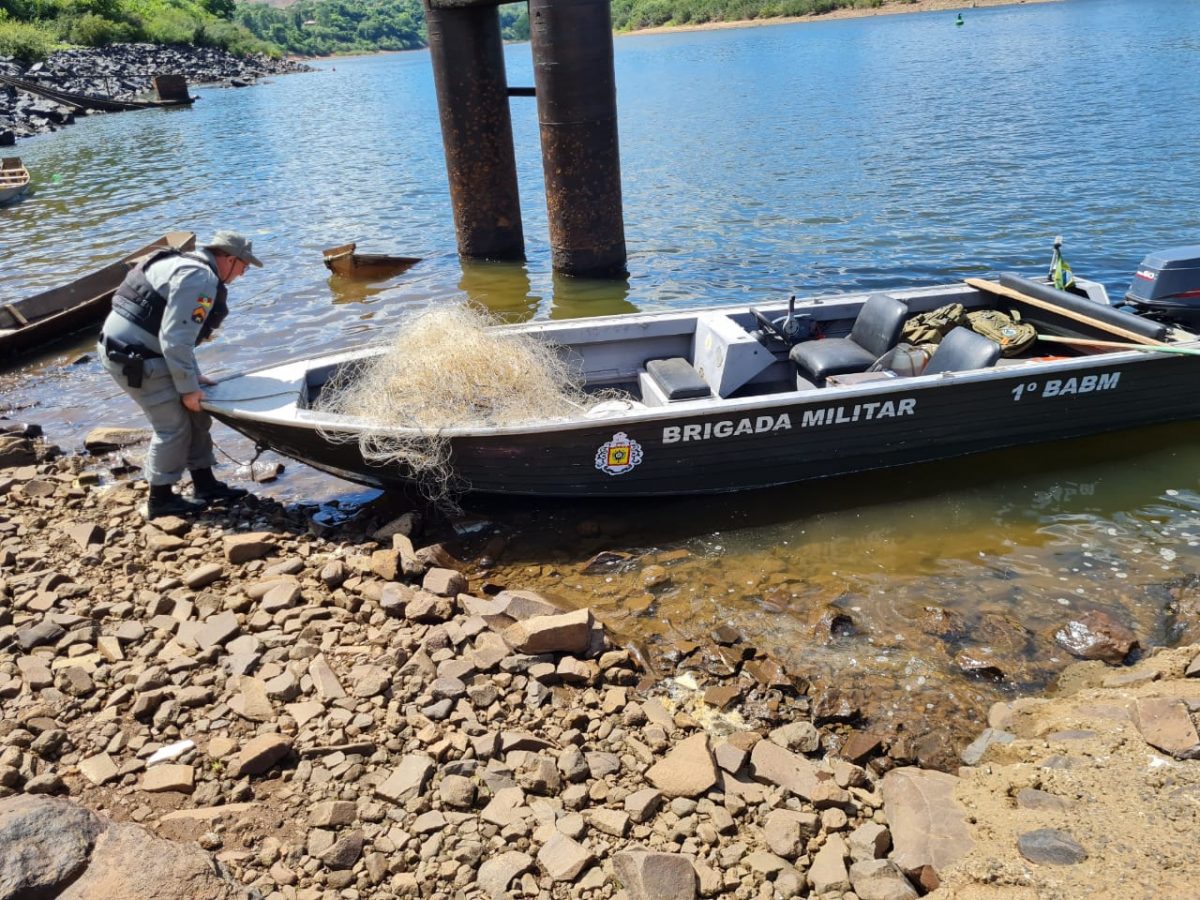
[506,290]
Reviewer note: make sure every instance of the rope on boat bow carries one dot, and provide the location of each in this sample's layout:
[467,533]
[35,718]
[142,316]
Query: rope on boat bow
[259,449]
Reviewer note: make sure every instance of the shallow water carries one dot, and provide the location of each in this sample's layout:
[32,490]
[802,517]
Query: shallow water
[850,154]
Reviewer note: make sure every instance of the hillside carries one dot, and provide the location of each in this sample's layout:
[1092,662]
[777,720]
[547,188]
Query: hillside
[30,29]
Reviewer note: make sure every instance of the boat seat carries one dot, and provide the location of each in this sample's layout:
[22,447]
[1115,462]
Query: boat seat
[678,379]
[962,349]
[876,330]
[666,381]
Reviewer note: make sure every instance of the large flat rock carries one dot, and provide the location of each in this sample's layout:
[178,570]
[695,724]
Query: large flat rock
[928,827]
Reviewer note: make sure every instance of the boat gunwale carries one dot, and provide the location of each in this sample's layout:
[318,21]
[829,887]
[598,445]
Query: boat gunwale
[313,420]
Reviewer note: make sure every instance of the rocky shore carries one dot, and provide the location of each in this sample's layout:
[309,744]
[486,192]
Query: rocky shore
[254,705]
[120,71]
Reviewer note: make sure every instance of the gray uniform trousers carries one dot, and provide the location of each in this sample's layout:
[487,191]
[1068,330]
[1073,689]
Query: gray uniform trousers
[181,438]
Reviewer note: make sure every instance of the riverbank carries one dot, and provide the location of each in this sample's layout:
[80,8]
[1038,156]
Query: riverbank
[119,71]
[892,7]
[366,708]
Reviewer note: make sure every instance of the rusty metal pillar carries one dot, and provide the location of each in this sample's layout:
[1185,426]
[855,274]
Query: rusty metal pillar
[472,93]
[577,111]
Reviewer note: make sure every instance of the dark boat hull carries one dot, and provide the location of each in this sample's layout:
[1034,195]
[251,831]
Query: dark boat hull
[816,435]
[64,311]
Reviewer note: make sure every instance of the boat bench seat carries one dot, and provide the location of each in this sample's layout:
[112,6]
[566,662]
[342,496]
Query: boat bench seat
[666,381]
[876,331]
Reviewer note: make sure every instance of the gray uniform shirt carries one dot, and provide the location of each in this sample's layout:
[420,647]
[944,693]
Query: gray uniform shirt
[190,286]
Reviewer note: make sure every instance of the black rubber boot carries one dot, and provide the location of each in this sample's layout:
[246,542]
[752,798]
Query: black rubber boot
[207,489]
[165,502]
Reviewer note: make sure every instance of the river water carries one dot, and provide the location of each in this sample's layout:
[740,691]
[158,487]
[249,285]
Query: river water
[847,154]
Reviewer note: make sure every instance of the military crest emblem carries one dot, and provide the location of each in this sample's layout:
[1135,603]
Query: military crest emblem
[618,456]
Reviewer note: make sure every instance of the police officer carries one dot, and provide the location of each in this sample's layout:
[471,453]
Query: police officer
[168,304]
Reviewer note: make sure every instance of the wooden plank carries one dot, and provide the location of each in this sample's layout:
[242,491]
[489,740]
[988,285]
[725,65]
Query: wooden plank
[1116,345]
[1000,290]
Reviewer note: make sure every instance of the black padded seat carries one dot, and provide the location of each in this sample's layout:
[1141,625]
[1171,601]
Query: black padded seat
[961,350]
[876,330]
[678,379]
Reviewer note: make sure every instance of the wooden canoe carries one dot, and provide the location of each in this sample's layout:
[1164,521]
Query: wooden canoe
[346,262]
[82,102]
[46,317]
[14,179]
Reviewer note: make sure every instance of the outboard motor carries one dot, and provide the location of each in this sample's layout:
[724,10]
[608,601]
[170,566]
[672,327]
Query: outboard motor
[1166,286]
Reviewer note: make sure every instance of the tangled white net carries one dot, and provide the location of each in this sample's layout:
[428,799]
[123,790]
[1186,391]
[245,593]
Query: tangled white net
[448,368]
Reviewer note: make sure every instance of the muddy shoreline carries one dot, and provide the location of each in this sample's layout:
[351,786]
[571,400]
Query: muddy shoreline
[367,707]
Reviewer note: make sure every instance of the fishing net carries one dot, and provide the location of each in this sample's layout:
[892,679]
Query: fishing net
[447,369]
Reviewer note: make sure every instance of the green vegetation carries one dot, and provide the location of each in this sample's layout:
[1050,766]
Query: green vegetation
[30,29]
[320,27]
[632,14]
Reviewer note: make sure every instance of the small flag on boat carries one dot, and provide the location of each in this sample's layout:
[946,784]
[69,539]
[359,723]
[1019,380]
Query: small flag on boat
[1060,269]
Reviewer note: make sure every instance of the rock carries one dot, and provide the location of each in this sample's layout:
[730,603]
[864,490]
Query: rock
[85,534]
[407,780]
[505,808]
[880,879]
[1031,798]
[687,771]
[98,769]
[457,791]
[773,764]
[203,576]
[642,805]
[444,582]
[260,755]
[973,752]
[44,844]
[1050,847]
[16,451]
[522,605]
[799,737]
[869,841]
[497,873]
[46,783]
[253,702]
[1166,724]
[563,859]
[828,870]
[332,814]
[369,681]
[387,565]
[44,632]
[324,680]
[928,827]
[1095,634]
[106,440]
[345,853]
[655,876]
[565,633]
[53,848]
[170,777]
[608,821]
[787,831]
[407,524]
[241,548]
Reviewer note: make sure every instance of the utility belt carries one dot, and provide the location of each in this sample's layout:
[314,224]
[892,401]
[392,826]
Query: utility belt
[132,358]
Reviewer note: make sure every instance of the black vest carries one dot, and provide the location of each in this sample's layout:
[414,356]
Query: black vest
[138,302]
